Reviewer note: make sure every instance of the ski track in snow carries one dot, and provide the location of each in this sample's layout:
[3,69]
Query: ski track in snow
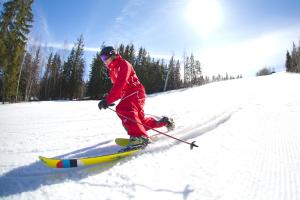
[249,146]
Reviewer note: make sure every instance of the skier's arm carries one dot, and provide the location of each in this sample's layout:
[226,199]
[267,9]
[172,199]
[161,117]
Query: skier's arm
[116,91]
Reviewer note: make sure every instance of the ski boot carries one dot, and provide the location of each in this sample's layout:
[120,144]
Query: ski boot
[136,143]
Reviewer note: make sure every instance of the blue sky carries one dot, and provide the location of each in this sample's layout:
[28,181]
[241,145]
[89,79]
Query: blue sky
[234,36]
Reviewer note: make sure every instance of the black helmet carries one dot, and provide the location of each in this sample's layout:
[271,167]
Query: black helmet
[108,51]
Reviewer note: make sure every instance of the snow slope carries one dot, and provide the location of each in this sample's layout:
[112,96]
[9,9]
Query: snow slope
[248,132]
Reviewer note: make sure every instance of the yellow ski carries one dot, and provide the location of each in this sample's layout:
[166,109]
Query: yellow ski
[78,162]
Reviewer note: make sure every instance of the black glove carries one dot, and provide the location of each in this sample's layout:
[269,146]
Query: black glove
[102,104]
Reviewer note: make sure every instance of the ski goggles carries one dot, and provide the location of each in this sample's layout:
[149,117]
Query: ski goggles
[104,58]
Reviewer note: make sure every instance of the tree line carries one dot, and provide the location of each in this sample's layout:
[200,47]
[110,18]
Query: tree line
[64,79]
[155,74]
[25,77]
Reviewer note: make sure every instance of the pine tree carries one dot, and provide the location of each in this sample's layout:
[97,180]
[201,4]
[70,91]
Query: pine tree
[31,89]
[51,81]
[29,79]
[78,70]
[288,62]
[192,70]
[146,72]
[56,71]
[197,73]
[73,70]
[169,83]
[298,58]
[32,86]
[159,76]
[130,53]
[141,57]
[66,76]
[121,50]
[292,62]
[52,78]
[177,76]
[140,65]
[45,85]
[153,81]
[27,65]
[294,58]
[99,81]
[15,24]
[187,71]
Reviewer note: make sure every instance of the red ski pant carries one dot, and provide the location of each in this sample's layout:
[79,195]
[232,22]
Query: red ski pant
[131,111]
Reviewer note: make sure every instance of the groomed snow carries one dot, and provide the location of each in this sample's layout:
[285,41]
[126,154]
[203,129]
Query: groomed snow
[248,132]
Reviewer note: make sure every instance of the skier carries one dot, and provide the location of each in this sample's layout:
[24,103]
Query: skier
[128,88]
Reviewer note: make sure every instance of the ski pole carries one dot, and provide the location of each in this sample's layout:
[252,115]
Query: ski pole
[192,144]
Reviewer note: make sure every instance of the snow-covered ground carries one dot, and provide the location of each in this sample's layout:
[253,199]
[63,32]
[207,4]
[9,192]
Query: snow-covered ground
[248,132]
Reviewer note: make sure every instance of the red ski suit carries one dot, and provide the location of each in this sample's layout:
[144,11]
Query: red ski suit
[127,87]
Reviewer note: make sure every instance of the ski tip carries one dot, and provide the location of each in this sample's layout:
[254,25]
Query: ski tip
[192,145]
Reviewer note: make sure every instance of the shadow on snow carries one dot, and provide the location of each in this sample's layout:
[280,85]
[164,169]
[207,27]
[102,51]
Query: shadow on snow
[31,177]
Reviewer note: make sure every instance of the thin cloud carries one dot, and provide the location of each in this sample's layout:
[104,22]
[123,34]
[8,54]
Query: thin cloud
[122,21]
[43,36]
[59,46]
[69,46]
[130,10]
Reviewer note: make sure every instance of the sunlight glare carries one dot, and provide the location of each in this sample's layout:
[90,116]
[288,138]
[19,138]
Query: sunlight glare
[205,16]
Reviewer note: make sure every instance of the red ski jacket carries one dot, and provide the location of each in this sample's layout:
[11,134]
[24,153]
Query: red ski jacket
[124,80]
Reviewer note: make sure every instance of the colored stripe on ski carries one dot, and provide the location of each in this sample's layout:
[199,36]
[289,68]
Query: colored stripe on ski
[69,163]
